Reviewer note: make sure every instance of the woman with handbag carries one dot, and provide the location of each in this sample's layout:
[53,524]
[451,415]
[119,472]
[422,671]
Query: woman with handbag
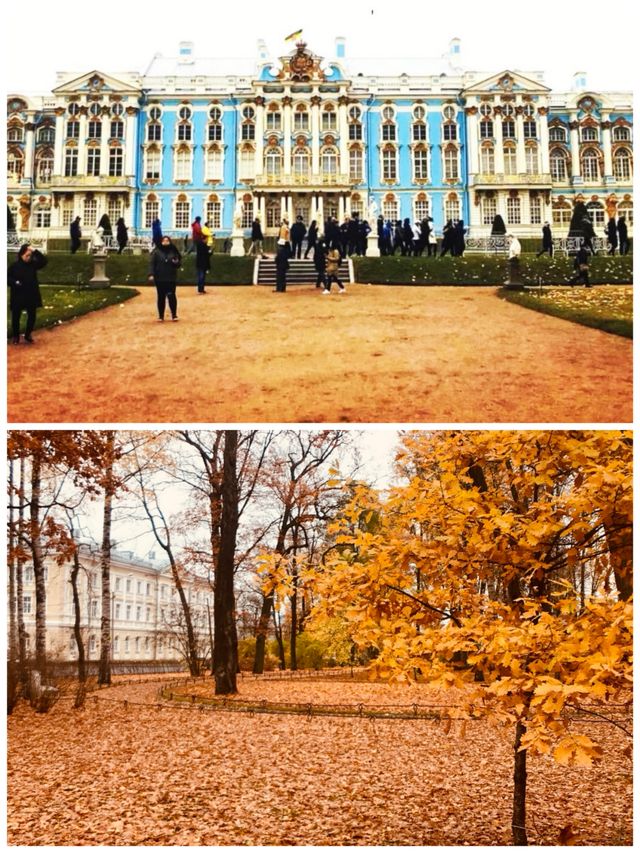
[163,270]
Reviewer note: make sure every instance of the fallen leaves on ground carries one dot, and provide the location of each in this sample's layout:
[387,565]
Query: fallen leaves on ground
[158,775]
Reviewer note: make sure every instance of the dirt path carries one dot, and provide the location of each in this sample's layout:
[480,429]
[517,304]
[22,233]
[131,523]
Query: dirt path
[376,354]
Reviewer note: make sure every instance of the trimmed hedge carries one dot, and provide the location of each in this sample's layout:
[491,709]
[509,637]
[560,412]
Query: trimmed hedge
[486,269]
[134,269]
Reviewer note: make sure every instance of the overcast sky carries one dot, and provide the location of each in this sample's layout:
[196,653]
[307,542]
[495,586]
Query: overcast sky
[556,37]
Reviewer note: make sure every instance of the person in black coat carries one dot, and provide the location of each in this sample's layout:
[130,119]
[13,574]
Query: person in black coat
[588,234]
[498,228]
[203,263]
[612,236]
[298,230]
[448,238]
[22,278]
[164,263]
[312,237]
[623,238]
[353,227]
[75,233]
[407,237]
[581,266]
[547,241]
[122,235]
[320,262]
[364,229]
[382,248]
[458,238]
[282,265]
[105,224]
[256,239]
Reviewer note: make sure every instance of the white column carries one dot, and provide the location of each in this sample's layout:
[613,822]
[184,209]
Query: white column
[574,144]
[606,145]
[520,161]
[320,213]
[259,161]
[104,146]
[545,166]
[283,206]
[343,130]
[263,211]
[472,137]
[340,208]
[315,135]
[130,142]
[82,145]
[290,209]
[29,147]
[58,150]
[286,106]
[499,154]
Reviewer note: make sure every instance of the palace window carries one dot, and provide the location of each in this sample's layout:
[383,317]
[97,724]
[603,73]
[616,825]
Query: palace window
[355,123]
[184,131]
[137,645]
[508,110]
[329,162]
[117,109]
[92,644]
[420,164]
[596,213]
[118,610]
[301,162]
[273,161]
[116,645]
[213,164]
[45,167]
[622,165]
[489,210]
[589,134]
[152,160]
[247,164]
[273,215]
[513,211]
[116,131]
[67,211]
[529,129]
[15,164]
[508,129]
[183,165]
[93,161]
[151,212]
[486,110]
[390,209]
[155,113]
[70,162]
[452,208]
[557,134]
[621,134]
[90,213]
[214,131]
[625,209]
[247,222]
[421,209]
[509,155]
[388,132]
[182,214]
[389,163]
[248,113]
[449,131]
[47,135]
[213,213]
[355,165]
[138,613]
[248,131]
[535,210]
[558,164]
[487,159]
[128,585]
[486,129]
[329,119]
[154,131]
[94,130]
[15,134]
[73,129]
[184,113]
[301,119]
[273,119]
[116,162]
[95,109]
[126,645]
[590,165]
[26,604]
[531,159]
[451,163]
[419,131]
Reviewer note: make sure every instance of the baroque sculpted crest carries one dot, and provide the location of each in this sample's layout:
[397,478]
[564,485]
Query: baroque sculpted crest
[302,66]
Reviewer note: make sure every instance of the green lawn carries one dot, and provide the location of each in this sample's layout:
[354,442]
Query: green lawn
[605,307]
[62,303]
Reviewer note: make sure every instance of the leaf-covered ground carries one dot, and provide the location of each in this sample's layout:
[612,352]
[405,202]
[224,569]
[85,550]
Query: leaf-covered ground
[157,775]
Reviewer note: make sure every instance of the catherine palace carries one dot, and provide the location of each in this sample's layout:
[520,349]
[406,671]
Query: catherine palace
[314,136]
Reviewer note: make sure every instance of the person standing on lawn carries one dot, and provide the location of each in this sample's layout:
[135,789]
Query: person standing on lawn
[122,235]
[581,266]
[547,241]
[623,238]
[22,278]
[163,270]
[75,234]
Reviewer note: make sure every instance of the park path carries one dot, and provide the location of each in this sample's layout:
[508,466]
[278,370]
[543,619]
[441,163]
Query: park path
[376,354]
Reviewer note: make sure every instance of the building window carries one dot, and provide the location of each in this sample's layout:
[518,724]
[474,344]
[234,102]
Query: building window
[128,617]
[389,164]
[154,132]
[508,129]
[487,160]
[118,610]
[95,129]
[557,134]
[625,210]
[128,585]
[449,131]
[390,209]
[451,163]
[355,131]
[92,644]
[420,164]
[213,164]
[329,162]
[535,210]
[273,161]
[114,208]
[163,590]
[531,159]
[489,210]
[621,134]
[486,129]
[590,165]
[452,208]
[73,109]
[67,211]
[247,214]
[117,129]
[47,135]
[182,214]
[152,160]
[151,212]
[248,131]
[183,165]
[148,615]
[355,165]
[248,113]
[94,607]
[116,162]
[419,131]
[70,162]
[273,120]
[137,645]
[184,132]
[116,645]
[90,217]
[421,209]
[596,213]
[214,216]
[273,215]
[116,585]
[139,587]
[301,163]
[529,129]
[184,113]
[73,129]
[126,645]
[622,165]
[247,164]
[26,604]
[510,163]
[15,134]
[138,613]
[388,132]
[558,165]
[148,586]
[329,119]
[42,217]
[146,645]
[589,134]
[300,119]
[513,211]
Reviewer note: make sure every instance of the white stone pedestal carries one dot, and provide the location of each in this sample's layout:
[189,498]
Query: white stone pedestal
[372,246]
[237,245]
[99,271]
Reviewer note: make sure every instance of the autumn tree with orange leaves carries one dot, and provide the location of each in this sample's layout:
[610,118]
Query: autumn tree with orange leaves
[502,565]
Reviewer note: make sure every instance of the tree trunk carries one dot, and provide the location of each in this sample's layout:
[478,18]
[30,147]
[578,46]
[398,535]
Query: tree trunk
[22,632]
[619,533]
[518,825]
[38,566]
[225,647]
[104,669]
[278,632]
[77,633]
[13,621]
[294,624]
[261,634]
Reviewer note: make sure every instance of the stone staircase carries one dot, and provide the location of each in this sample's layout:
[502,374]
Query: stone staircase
[299,272]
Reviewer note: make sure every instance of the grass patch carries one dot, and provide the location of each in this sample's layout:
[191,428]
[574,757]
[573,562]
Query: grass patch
[61,304]
[607,308]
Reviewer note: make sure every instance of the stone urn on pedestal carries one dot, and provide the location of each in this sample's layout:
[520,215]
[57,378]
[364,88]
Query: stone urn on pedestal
[99,251]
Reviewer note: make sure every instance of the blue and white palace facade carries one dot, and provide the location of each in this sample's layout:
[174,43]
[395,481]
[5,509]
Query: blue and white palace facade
[304,135]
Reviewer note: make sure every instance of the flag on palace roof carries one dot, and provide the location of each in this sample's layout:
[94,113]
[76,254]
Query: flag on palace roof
[293,36]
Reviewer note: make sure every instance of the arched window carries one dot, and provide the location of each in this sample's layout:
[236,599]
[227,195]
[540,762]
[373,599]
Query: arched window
[449,127]
[389,163]
[273,161]
[589,134]
[625,209]
[531,159]
[420,163]
[248,130]
[596,212]
[15,134]
[44,166]
[47,135]
[355,164]
[621,134]
[622,164]
[590,165]
[152,163]
[487,159]
[557,134]
[388,130]
[183,164]
[301,163]
[451,171]
[421,208]
[390,209]
[151,211]
[452,207]
[247,163]
[42,215]
[182,213]
[214,131]
[329,118]
[558,164]
[300,118]
[213,166]
[15,164]
[213,212]
[329,162]
[355,123]
[509,155]
[114,208]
